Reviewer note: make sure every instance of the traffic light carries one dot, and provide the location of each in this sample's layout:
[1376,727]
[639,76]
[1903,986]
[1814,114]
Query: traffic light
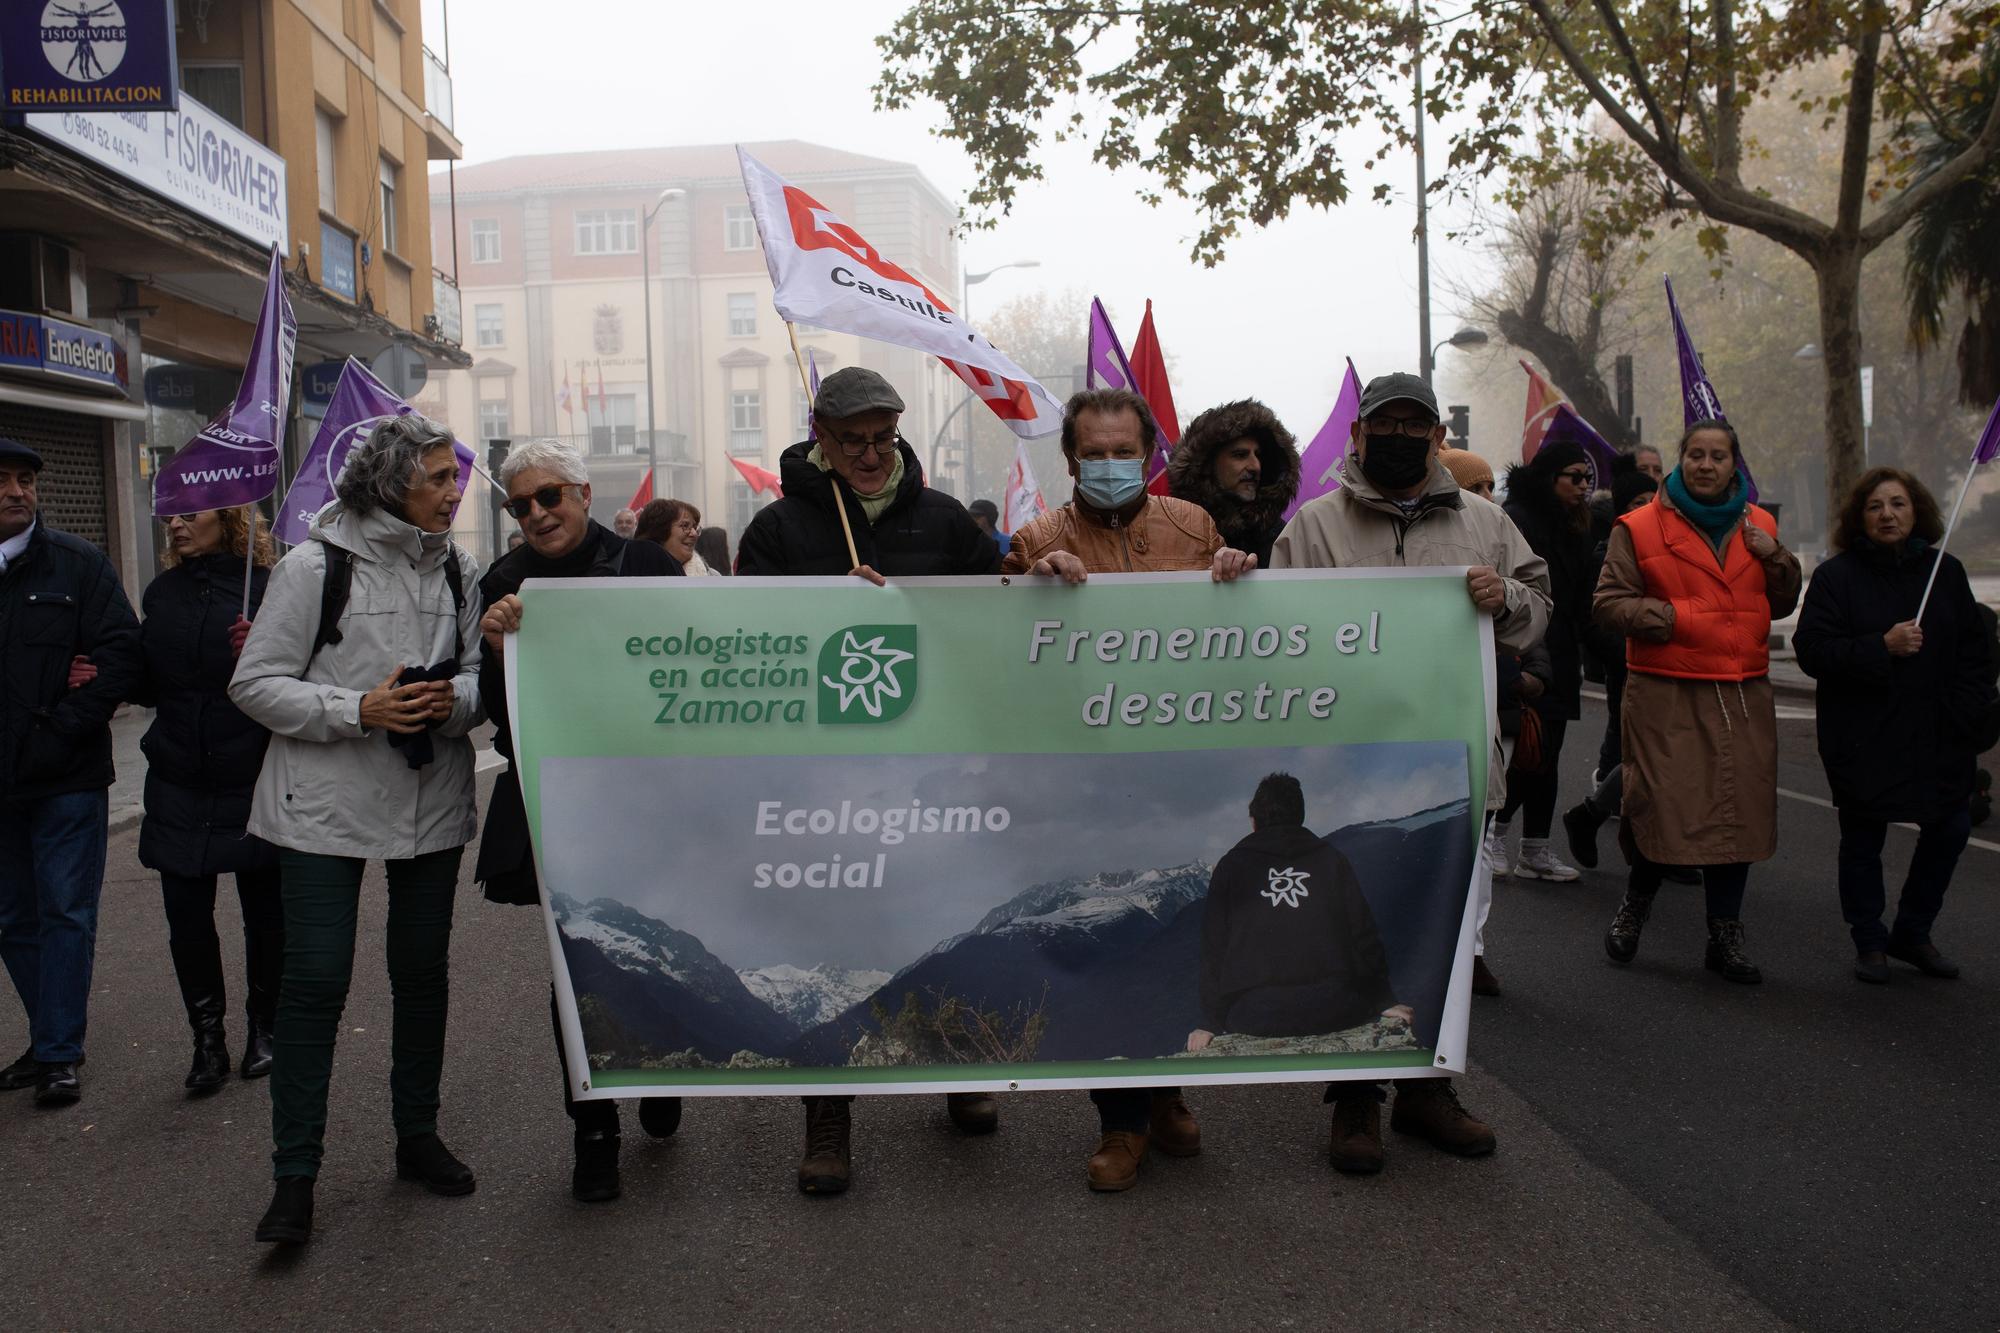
[1459,434]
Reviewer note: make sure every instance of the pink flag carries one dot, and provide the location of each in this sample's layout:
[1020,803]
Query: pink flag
[1023,499]
[1319,465]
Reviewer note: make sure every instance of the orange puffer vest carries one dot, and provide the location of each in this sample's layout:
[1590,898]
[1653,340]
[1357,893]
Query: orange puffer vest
[1722,618]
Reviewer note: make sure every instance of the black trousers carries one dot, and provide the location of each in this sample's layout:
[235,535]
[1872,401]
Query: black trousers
[1722,885]
[1129,1109]
[1862,891]
[1611,750]
[197,950]
[1536,792]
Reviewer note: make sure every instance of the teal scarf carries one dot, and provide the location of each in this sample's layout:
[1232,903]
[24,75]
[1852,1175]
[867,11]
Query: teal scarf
[1716,519]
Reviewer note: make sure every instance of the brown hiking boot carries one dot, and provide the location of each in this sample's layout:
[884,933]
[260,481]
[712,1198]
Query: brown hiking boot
[1175,1131]
[824,1168]
[1429,1109]
[1483,980]
[973,1112]
[1115,1164]
[1356,1146]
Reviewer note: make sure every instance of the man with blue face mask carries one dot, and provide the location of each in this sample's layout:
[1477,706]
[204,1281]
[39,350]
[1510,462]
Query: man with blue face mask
[1111,525]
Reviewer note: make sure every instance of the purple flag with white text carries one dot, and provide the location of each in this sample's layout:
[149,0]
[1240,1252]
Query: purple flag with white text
[234,459]
[1319,465]
[360,404]
[1699,401]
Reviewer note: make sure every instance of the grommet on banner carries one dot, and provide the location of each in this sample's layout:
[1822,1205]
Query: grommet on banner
[1013,1086]
[586,1085]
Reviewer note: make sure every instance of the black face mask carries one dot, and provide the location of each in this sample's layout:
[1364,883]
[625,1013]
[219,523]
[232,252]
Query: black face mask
[1396,462]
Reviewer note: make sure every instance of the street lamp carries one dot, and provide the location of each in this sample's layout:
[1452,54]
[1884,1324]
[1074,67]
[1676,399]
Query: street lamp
[646,286]
[1465,337]
[967,283]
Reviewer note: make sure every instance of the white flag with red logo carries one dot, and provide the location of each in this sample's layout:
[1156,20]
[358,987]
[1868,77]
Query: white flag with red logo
[825,273]
[1024,498]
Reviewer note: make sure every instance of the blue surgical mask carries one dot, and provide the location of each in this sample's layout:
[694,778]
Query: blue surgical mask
[1110,483]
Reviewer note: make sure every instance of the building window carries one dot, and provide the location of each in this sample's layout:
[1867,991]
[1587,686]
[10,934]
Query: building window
[746,422]
[742,314]
[801,412]
[739,228]
[616,429]
[607,231]
[495,422]
[743,504]
[325,144]
[388,177]
[336,259]
[219,87]
[486,240]
[489,325]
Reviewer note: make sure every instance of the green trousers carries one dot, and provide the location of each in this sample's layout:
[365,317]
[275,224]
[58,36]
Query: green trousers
[322,897]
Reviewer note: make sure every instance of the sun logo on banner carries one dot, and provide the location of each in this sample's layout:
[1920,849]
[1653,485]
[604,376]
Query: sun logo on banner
[868,673]
[1287,887]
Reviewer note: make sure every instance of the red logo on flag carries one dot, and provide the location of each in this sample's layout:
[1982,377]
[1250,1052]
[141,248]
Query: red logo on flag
[817,227]
[1009,399]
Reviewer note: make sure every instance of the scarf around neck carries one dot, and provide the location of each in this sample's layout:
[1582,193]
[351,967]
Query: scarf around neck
[871,505]
[1713,519]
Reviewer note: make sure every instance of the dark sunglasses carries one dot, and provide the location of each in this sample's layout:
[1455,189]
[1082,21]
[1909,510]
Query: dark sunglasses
[1575,476]
[520,506]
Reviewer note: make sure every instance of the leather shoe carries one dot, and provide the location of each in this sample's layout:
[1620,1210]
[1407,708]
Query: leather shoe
[257,1051]
[23,1073]
[973,1112]
[594,1179]
[1355,1146]
[1115,1164]
[1174,1130]
[424,1158]
[659,1116]
[1429,1109]
[1924,957]
[58,1086]
[289,1219]
[1872,967]
[210,1069]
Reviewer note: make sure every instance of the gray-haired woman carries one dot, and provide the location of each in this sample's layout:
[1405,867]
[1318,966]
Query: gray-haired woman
[364,665]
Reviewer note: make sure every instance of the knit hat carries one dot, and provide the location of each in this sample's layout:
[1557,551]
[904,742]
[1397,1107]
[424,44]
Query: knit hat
[1629,486]
[1467,468]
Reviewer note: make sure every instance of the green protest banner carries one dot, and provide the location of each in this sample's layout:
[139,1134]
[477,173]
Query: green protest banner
[813,836]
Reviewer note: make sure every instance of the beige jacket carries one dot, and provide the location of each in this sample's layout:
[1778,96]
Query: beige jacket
[1357,527]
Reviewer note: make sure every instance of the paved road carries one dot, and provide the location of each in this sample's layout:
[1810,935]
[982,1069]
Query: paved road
[1675,1153]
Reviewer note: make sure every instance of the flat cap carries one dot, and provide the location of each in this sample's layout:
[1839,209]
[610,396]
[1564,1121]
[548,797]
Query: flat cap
[13,451]
[852,390]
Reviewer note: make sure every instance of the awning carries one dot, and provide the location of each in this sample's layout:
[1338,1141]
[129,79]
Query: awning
[117,409]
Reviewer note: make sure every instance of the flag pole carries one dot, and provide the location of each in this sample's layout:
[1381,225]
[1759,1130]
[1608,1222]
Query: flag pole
[1950,523]
[839,504]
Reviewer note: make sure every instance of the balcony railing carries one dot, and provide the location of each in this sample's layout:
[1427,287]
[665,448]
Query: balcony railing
[448,309]
[437,90]
[624,444]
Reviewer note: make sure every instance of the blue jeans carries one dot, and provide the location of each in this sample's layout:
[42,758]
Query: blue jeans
[1862,892]
[51,874]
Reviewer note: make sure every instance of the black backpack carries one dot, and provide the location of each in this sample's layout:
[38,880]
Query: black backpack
[339,582]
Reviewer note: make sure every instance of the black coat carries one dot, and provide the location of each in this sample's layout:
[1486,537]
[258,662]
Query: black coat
[1542,520]
[506,855]
[202,754]
[1896,733]
[921,532]
[61,599]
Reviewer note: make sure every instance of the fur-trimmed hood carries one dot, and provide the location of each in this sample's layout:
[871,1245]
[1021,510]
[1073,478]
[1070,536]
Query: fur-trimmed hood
[1191,471]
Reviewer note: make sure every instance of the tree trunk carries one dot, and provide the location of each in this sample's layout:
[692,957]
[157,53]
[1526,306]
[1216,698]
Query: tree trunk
[1572,370]
[1837,270]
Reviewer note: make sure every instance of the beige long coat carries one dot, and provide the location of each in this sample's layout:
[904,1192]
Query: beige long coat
[1701,756]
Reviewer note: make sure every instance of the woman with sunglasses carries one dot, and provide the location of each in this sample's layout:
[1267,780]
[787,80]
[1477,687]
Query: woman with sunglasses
[1693,581]
[1549,500]
[548,494]
[364,667]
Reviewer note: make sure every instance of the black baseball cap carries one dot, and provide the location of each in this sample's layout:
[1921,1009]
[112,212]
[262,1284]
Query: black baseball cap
[852,390]
[1398,388]
[13,451]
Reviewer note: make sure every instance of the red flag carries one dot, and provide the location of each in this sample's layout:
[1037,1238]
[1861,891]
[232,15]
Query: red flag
[603,404]
[563,399]
[644,495]
[1543,400]
[1149,377]
[760,480]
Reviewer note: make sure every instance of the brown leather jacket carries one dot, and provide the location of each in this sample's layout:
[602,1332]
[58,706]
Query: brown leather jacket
[1160,535]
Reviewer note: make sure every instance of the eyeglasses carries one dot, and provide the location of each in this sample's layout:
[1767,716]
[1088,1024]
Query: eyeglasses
[520,506]
[856,448]
[1416,429]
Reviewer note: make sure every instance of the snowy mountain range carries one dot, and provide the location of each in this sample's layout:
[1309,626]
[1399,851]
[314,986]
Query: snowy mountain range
[808,996]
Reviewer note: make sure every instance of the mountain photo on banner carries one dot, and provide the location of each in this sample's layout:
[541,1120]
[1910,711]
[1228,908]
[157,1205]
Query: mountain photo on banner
[360,403]
[1076,933]
[234,459]
[826,273]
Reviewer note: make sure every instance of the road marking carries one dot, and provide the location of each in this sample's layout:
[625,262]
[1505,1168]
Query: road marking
[1822,802]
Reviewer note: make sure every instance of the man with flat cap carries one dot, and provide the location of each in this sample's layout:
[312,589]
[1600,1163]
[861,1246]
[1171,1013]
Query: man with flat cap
[60,600]
[855,503]
[1398,506]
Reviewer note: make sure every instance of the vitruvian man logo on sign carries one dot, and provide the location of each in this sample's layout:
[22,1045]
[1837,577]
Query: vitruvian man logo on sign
[1287,887]
[86,42]
[867,673]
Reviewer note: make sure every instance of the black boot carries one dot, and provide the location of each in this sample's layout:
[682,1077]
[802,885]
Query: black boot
[423,1157]
[198,969]
[1726,953]
[594,1179]
[264,959]
[289,1219]
[210,1069]
[1581,822]
[1622,940]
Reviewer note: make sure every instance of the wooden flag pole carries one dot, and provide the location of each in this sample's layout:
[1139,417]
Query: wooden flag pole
[1950,523]
[839,501]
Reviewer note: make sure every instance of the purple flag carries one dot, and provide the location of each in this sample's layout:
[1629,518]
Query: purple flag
[234,460]
[1699,401]
[1566,425]
[1319,465]
[1988,447]
[812,373]
[360,404]
[1105,366]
